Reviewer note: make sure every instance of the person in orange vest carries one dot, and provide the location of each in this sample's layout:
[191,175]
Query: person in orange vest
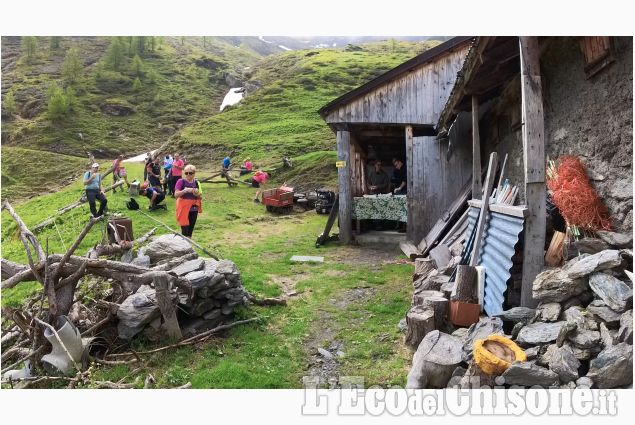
[259,178]
[189,193]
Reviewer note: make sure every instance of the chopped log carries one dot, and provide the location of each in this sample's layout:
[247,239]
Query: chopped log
[419,297]
[441,255]
[420,321]
[432,282]
[447,289]
[170,264]
[464,287]
[440,307]
[265,301]
[409,250]
[423,266]
[554,256]
[165,305]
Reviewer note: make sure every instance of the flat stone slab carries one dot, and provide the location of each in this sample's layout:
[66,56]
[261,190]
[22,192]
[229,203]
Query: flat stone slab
[307,258]
[539,333]
[189,266]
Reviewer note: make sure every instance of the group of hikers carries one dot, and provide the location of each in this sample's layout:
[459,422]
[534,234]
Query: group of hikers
[177,180]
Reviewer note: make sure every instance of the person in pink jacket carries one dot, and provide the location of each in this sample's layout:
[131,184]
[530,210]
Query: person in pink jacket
[259,178]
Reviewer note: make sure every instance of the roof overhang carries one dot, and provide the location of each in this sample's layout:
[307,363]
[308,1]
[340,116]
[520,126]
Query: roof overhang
[405,67]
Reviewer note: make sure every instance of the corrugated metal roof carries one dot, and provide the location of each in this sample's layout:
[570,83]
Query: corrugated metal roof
[500,236]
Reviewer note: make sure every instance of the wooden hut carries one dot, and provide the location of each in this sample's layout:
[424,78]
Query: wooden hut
[395,115]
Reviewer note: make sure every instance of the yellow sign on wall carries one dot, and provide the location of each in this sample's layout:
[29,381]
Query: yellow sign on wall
[340,164]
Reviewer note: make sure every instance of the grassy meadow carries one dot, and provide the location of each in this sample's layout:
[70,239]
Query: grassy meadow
[351,301]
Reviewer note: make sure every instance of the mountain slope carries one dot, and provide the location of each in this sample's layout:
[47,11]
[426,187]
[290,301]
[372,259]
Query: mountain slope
[281,119]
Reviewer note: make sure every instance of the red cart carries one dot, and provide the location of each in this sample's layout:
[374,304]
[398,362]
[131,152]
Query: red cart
[278,200]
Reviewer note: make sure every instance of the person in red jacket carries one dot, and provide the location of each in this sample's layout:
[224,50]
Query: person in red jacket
[188,204]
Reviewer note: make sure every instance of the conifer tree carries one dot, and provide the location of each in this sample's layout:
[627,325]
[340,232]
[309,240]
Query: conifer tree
[137,85]
[152,76]
[72,67]
[9,103]
[54,42]
[98,69]
[182,38]
[137,65]
[29,46]
[153,42]
[71,99]
[115,53]
[57,105]
[160,40]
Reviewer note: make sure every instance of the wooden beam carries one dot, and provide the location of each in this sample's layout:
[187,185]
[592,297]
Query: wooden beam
[489,80]
[489,182]
[161,285]
[344,178]
[535,163]
[476,152]
[520,211]
[410,164]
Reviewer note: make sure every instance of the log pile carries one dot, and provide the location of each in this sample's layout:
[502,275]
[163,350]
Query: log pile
[166,291]
[579,336]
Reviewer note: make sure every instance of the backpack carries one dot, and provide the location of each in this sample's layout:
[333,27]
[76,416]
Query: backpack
[132,204]
[198,186]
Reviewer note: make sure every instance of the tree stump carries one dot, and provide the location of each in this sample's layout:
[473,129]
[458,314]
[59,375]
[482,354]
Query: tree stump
[423,266]
[420,321]
[465,281]
[447,289]
[419,297]
[440,306]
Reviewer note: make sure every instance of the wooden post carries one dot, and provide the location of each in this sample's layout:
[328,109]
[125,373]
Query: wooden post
[345,195]
[165,305]
[476,152]
[535,163]
[416,196]
[409,184]
[489,181]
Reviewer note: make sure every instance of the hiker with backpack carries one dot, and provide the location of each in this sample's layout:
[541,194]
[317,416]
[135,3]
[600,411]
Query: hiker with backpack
[119,173]
[156,196]
[259,177]
[189,193]
[95,190]
[154,173]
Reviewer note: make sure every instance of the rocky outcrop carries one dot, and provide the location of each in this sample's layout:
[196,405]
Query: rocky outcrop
[539,333]
[167,246]
[615,293]
[613,367]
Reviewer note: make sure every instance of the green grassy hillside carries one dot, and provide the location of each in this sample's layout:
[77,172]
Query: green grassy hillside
[281,119]
[180,84]
[27,173]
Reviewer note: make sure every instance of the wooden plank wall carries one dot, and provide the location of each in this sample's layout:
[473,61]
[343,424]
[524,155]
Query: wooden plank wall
[416,97]
[442,179]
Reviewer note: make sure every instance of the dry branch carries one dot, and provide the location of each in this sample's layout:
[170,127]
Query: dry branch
[266,301]
[75,204]
[33,353]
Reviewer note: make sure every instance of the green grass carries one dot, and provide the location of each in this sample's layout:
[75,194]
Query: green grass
[27,173]
[281,119]
[274,352]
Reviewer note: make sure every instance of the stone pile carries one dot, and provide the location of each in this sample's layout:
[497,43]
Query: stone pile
[218,290]
[579,335]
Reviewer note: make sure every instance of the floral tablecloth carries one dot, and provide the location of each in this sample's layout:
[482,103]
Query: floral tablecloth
[388,208]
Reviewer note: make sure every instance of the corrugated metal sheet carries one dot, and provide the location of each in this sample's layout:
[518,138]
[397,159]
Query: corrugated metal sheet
[500,236]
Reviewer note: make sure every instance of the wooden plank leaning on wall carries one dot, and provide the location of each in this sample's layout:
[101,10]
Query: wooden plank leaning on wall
[535,162]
